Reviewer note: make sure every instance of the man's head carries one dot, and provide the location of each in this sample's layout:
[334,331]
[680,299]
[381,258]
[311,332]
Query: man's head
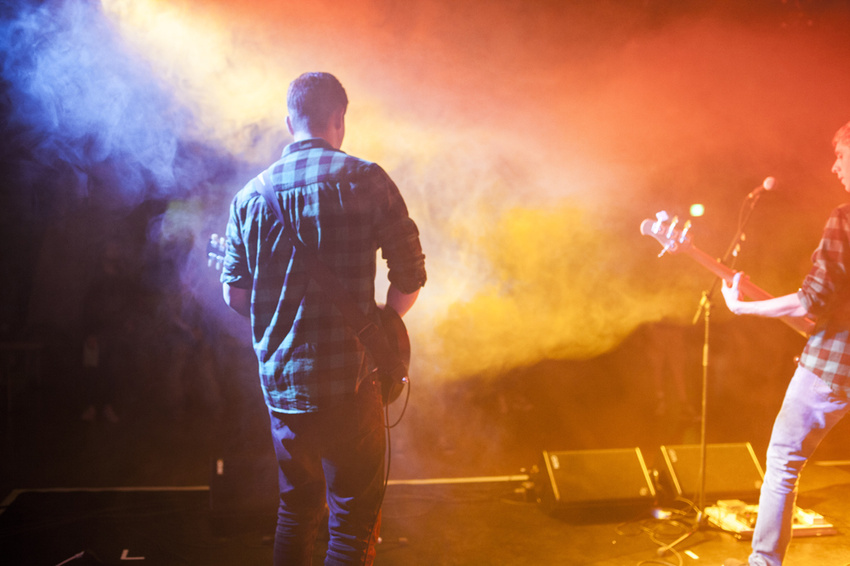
[317,103]
[841,167]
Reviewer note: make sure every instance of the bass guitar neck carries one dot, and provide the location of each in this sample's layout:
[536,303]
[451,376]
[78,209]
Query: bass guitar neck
[678,241]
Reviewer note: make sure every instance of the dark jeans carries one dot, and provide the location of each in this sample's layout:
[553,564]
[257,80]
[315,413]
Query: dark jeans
[334,457]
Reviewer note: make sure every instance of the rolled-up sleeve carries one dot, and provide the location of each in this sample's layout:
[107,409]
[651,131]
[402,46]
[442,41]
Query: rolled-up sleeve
[403,254]
[398,238]
[235,270]
[820,291]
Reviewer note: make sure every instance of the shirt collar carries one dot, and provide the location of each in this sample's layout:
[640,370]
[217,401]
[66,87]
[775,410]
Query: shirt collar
[311,143]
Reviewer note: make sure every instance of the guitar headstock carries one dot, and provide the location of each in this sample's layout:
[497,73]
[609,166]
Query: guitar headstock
[215,251]
[664,229]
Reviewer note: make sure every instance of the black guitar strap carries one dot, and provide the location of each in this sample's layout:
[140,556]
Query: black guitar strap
[391,369]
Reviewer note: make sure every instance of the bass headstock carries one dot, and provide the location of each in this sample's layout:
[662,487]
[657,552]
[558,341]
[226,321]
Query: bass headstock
[666,231]
[215,251]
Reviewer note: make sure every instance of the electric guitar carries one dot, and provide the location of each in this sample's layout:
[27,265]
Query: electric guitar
[390,323]
[675,241]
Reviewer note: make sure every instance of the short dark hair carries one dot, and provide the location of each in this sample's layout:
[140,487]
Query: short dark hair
[842,136]
[312,99]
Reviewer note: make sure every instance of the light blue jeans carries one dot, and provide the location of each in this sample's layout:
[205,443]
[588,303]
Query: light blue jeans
[808,413]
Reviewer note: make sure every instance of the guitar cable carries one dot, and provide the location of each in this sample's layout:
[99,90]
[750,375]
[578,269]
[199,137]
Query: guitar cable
[388,428]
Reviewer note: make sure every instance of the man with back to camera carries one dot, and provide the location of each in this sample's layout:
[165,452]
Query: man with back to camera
[817,396]
[328,432]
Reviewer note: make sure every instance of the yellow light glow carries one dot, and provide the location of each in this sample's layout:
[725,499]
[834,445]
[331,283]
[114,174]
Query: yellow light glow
[520,163]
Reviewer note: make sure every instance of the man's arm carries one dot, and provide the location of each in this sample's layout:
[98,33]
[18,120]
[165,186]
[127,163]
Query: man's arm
[400,302]
[786,305]
[237,299]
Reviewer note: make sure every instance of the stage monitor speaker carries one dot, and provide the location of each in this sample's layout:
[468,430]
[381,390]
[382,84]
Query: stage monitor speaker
[732,471]
[596,484]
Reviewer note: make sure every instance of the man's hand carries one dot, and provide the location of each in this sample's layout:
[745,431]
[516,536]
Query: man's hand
[777,307]
[237,299]
[731,294]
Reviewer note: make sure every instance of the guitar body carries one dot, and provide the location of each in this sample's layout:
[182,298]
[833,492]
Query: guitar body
[399,343]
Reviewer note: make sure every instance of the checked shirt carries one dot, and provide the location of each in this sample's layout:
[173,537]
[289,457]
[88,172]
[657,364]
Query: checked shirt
[826,295]
[344,209]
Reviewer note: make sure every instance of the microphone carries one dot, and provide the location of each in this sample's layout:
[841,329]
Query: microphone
[766,185]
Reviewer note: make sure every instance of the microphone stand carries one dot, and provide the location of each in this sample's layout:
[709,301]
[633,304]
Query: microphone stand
[704,311]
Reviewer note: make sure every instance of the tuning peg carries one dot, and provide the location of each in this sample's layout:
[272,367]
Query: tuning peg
[671,230]
[221,248]
[683,236]
[215,251]
[660,218]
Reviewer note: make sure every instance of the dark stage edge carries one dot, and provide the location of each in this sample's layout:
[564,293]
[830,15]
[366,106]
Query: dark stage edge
[467,521]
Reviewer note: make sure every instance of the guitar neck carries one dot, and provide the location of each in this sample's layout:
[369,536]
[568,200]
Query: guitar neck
[747,287]
[803,326]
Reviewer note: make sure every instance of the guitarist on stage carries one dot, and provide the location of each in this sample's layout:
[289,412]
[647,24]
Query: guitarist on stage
[817,396]
[328,433]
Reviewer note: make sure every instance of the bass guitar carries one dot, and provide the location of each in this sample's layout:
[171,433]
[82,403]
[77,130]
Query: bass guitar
[675,240]
[392,373]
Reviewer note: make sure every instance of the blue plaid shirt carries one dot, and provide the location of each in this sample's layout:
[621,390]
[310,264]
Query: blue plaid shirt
[344,209]
[826,295]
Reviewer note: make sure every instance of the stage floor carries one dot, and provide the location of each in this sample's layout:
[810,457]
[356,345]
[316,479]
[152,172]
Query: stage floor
[72,486]
[471,521]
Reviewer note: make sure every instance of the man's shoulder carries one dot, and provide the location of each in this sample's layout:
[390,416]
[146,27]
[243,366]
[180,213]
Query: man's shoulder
[247,193]
[841,215]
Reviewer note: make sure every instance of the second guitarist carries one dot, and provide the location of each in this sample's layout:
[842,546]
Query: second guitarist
[818,395]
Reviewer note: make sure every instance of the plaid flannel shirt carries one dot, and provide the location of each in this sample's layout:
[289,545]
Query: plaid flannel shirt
[344,209]
[826,295]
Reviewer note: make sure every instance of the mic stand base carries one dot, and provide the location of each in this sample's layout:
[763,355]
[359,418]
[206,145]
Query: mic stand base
[700,522]
[705,311]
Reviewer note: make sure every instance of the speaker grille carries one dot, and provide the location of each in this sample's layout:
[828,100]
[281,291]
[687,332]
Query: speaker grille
[597,479]
[732,471]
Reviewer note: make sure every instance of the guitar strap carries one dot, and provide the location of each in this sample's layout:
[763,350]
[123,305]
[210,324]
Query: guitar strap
[390,367]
